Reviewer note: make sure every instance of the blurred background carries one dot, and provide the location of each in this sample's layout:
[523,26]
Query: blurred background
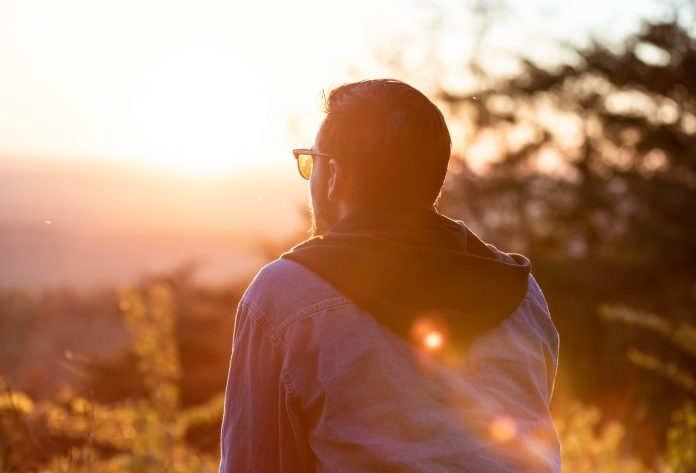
[146,176]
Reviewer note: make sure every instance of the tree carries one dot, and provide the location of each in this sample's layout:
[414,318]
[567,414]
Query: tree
[591,172]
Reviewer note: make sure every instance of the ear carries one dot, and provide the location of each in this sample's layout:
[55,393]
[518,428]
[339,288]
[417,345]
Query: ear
[336,180]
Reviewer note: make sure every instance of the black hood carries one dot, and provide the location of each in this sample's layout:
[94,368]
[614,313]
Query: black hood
[403,262]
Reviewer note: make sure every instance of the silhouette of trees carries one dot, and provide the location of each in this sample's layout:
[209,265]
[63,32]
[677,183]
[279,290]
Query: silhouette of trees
[589,168]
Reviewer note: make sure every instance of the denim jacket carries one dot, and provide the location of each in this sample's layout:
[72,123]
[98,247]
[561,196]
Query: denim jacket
[316,384]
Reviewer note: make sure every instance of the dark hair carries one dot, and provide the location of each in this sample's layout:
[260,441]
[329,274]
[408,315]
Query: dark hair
[391,138]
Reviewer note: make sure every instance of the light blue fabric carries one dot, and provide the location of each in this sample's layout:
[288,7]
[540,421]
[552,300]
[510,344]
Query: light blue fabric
[316,384]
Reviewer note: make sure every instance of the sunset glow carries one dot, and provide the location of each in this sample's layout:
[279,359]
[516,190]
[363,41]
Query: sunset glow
[195,88]
[199,112]
[151,208]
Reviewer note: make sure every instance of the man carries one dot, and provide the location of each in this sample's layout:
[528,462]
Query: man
[394,339]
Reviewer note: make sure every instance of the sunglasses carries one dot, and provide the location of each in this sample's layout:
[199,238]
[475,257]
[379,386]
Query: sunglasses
[305,160]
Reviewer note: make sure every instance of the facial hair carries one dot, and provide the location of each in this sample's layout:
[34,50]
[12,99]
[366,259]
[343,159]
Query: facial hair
[322,212]
[313,230]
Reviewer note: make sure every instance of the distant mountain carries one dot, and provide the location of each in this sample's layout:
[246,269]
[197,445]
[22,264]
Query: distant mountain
[81,223]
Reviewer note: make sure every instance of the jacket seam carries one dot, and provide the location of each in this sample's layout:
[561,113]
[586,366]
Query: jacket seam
[539,305]
[309,311]
[276,339]
[257,317]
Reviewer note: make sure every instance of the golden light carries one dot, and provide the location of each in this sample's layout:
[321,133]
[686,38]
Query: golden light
[429,332]
[503,429]
[199,112]
[539,444]
[433,340]
[123,305]
[194,87]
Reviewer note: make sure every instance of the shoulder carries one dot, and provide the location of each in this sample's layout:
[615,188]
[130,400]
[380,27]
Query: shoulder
[284,290]
[541,316]
[535,294]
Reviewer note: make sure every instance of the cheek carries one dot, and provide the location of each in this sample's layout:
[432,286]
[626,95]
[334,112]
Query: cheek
[313,186]
[318,199]
[316,182]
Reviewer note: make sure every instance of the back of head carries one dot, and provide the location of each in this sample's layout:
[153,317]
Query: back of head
[391,139]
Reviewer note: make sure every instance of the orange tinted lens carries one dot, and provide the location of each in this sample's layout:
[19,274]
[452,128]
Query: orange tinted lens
[304,163]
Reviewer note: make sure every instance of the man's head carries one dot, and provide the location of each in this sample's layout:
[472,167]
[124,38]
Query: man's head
[386,141]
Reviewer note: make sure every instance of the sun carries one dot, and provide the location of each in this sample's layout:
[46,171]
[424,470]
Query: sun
[200,112]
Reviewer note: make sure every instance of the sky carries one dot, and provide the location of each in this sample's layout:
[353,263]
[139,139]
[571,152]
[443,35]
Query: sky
[139,134]
[208,88]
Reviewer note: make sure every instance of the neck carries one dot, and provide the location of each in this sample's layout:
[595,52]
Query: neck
[393,206]
[346,212]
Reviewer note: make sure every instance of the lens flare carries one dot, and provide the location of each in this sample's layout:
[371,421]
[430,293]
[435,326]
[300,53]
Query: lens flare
[429,333]
[503,429]
[433,340]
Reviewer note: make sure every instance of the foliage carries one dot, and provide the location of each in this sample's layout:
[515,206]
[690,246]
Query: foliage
[590,445]
[680,453]
[588,168]
[681,336]
[73,433]
[76,434]
[588,448]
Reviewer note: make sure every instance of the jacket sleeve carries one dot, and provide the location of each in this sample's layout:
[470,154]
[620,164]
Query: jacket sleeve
[259,425]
